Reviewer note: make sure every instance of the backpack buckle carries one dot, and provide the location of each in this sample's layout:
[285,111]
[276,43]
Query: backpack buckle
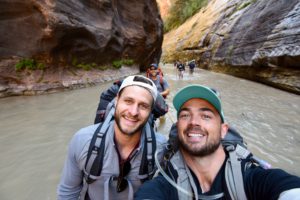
[88,179]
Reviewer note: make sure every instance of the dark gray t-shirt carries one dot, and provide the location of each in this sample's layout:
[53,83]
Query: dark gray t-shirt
[161,86]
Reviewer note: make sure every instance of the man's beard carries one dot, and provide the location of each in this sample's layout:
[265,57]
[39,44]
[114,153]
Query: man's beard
[206,149]
[133,131]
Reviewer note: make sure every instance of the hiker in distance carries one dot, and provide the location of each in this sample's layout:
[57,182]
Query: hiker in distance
[192,65]
[112,159]
[181,69]
[156,75]
[202,168]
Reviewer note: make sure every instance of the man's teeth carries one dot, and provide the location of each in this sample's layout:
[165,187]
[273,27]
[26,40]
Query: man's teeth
[195,135]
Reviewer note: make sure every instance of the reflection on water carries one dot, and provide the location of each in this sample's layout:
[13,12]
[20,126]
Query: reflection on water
[35,130]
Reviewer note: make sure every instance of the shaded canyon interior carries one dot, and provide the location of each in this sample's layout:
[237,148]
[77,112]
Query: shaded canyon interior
[254,39]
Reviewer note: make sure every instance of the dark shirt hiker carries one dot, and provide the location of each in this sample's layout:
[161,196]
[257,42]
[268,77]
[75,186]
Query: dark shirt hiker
[157,77]
[259,184]
[197,170]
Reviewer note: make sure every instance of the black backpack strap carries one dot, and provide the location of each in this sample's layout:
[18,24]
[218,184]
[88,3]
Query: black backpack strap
[95,155]
[94,161]
[148,162]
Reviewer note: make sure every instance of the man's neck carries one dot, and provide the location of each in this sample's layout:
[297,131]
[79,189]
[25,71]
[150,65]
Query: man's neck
[205,168]
[154,77]
[126,143]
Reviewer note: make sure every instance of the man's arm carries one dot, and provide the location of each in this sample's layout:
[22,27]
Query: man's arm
[165,92]
[71,180]
[166,89]
[270,183]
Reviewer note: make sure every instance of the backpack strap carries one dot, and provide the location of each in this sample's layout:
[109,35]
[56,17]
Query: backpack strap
[161,81]
[94,160]
[233,171]
[148,163]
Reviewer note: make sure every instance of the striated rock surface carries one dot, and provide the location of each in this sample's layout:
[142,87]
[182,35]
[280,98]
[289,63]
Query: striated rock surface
[257,40]
[57,33]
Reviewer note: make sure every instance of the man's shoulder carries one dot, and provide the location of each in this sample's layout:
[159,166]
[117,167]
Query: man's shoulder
[162,78]
[87,131]
[84,135]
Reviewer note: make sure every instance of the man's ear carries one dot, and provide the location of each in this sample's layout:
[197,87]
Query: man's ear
[224,130]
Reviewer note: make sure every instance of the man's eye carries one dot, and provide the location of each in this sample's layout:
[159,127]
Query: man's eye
[206,117]
[184,116]
[128,101]
[144,106]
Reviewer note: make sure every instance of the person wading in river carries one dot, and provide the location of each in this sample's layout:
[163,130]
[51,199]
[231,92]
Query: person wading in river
[155,74]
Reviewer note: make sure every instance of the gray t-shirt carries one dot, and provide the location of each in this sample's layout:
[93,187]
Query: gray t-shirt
[71,182]
[161,86]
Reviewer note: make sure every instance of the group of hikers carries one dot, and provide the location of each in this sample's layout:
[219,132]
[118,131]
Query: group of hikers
[180,66]
[121,156]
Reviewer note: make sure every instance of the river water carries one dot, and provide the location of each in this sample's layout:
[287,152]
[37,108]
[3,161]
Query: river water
[36,130]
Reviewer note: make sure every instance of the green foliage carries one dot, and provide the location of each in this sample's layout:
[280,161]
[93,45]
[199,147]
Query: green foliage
[118,63]
[84,66]
[181,10]
[128,62]
[30,64]
[88,66]
[103,67]
[74,61]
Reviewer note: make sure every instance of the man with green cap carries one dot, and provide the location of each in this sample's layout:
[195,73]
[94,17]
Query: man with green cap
[199,169]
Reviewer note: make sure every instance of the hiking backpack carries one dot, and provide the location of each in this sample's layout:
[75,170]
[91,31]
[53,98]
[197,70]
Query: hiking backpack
[234,144]
[95,155]
[104,115]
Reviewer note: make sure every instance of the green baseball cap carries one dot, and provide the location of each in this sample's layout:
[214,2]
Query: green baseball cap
[200,92]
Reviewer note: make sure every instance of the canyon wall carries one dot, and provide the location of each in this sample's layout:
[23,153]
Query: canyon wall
[60,35]
[257,40]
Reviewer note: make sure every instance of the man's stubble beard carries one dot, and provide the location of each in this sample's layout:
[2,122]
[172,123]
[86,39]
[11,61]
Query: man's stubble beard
[132,132]
[208,148]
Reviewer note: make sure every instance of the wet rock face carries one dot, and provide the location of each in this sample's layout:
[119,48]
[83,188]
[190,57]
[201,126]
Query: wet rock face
[59,32]
[265,34]
[258,40]
[266,37]
[100,31]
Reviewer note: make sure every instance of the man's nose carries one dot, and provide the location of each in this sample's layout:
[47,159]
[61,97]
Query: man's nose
[195,119]
[134,109]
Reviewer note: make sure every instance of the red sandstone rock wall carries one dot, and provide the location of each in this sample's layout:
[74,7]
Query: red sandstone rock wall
[57,32]
[90,30]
